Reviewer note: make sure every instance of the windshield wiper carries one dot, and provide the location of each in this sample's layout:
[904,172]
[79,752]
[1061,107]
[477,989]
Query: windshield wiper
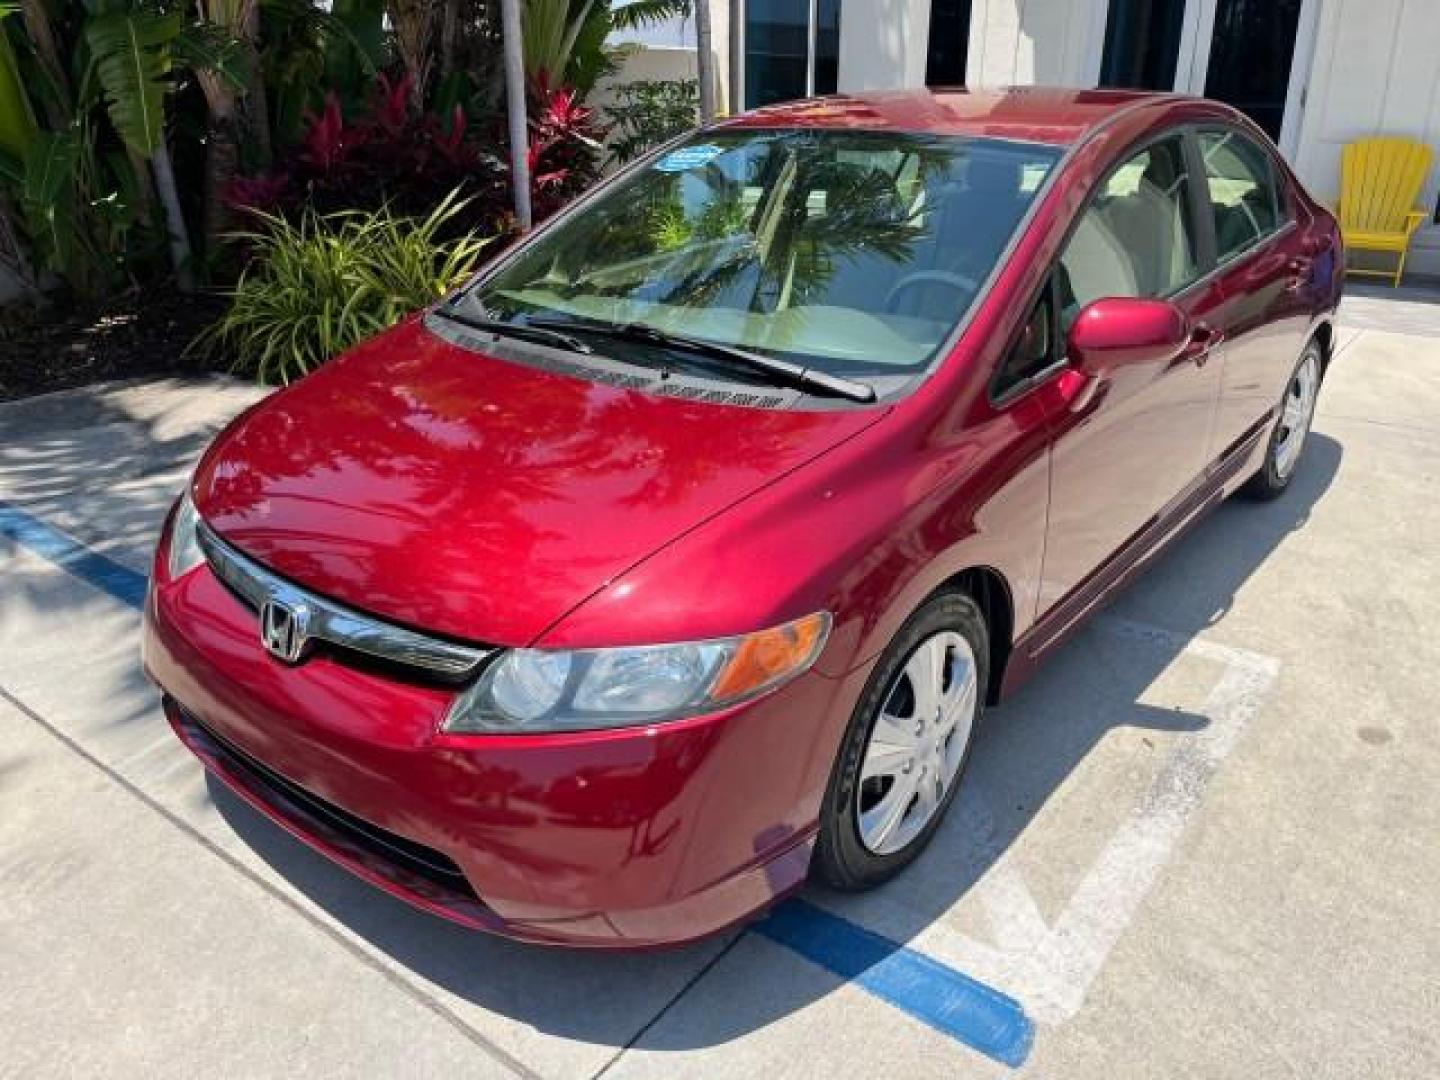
[544,334]
[807,378]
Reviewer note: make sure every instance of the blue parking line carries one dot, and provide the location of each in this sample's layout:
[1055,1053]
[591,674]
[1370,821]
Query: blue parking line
[101,571]
[947,1000]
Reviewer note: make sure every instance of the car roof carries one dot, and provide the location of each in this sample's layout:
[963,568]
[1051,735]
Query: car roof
[1030,113]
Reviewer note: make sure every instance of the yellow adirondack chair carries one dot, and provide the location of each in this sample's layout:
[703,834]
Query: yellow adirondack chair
[1379,182]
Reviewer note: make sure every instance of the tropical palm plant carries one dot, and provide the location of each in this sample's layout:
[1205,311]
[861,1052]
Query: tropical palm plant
[215,49]
[17,120]
[133,56]
[93,180]
[566,41]
[17,131]
[415,23]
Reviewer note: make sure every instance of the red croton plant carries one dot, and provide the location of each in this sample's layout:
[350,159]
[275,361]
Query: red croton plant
[565,149]
[388,155]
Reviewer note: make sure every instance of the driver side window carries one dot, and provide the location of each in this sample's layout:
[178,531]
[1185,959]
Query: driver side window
[1136,238]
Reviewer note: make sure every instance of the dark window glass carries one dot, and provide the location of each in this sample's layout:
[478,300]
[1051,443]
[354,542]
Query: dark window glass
[1242,190]
[1142,42]
[827,46]
[853,252]
[1250,54]
[949,43]
[1136,238]
[1034,350]
[777,47]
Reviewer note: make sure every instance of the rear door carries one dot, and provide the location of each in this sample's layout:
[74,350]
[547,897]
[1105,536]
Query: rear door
[1130,444]
[1262,302]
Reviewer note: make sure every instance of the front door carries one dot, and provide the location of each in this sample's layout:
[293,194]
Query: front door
[1132,442]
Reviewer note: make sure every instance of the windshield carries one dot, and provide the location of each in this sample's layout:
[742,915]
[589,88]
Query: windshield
[854,253]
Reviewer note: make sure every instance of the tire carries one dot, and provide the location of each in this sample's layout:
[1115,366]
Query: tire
[854,851]
[1297,410]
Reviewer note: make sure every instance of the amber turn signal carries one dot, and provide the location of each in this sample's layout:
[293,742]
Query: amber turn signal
[764,659]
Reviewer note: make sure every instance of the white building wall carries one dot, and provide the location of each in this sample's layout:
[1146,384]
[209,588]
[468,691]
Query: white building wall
[883,44]
[1021,42]
[1376,72]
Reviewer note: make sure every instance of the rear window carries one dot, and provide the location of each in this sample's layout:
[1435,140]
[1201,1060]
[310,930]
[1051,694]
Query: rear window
[1243,195]
[854,252]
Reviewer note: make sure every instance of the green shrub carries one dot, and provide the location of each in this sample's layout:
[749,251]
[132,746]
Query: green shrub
[649,111]
[317,287]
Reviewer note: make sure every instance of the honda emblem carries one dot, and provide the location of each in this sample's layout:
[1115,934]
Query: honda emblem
[284,629]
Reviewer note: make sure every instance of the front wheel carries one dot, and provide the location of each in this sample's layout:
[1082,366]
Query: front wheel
[1292,427]
[906,749]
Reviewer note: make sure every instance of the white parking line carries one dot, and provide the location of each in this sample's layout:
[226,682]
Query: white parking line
[1050,967]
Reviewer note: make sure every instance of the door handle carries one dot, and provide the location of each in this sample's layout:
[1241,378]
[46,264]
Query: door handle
[1203,338]
[1299,270]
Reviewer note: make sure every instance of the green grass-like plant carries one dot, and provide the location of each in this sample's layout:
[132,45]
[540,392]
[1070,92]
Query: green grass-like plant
[318,286]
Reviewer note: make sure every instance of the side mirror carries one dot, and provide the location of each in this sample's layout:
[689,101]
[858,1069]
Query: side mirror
[1123,330]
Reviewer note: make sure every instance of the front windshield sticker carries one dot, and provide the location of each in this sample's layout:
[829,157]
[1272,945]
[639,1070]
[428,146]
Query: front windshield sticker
[688,157]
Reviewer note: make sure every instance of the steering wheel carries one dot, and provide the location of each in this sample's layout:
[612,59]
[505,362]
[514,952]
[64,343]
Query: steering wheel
[958,282]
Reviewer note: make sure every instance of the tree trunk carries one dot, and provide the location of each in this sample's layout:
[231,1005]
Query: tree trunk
[222,164]
[255,106]
[515,110]
[174,218]
[449,36]
[144,185]
[704,60]
[414,25]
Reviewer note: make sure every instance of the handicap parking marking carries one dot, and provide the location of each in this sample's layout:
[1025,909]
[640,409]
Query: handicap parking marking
[938,995]
[62,549]
[928,989]
[1050,966]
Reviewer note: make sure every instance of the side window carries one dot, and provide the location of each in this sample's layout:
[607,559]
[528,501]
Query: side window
[1136,238]
[1243,194]
[1034,349]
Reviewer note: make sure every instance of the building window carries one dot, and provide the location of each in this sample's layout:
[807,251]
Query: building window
[1142,43]
[791,49]
[949,43]
[1250,53]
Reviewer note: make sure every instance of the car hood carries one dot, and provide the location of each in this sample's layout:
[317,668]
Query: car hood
[481,498]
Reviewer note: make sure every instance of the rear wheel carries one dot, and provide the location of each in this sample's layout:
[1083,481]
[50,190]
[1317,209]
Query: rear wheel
[906,749]
[1292,427]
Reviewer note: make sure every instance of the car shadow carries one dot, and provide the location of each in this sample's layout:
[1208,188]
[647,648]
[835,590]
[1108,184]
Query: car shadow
[1025,754]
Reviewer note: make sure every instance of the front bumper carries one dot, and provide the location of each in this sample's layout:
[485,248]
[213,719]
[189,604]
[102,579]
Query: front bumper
[618,838]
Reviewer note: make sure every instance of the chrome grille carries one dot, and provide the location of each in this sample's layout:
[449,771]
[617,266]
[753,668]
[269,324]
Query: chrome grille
[335,624]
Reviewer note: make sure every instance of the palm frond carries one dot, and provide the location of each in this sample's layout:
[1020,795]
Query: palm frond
[640,13]
[132,57]
[46,198]
[208,47]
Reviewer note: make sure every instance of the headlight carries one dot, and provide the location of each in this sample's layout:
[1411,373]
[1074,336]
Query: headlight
[185,553]
[537,690]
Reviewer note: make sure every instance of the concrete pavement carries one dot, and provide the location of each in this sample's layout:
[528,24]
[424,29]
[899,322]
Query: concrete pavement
[1202,842]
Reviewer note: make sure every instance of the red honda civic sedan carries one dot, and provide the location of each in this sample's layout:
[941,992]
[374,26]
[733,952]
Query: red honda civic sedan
[675,557]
